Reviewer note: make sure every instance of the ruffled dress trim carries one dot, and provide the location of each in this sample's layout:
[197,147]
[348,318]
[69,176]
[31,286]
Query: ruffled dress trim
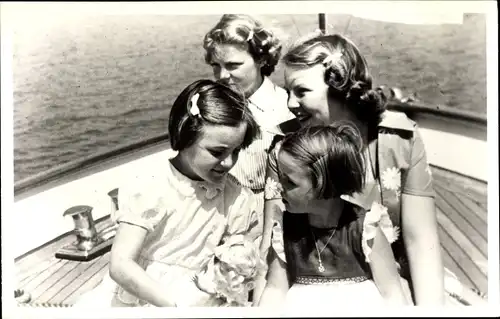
[377,216]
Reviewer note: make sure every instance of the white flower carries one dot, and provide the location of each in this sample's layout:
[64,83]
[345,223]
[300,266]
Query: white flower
[391,179]
[377,216]
[272,189]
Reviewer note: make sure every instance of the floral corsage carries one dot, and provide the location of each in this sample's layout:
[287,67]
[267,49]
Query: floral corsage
[231,274]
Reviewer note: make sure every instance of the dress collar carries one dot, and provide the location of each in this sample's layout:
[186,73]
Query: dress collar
[261,96]
[188,187]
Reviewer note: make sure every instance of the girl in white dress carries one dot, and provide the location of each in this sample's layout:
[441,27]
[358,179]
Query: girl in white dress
[172,218]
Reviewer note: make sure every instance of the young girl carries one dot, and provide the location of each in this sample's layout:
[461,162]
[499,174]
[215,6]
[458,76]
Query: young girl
[337,250]
[173,217]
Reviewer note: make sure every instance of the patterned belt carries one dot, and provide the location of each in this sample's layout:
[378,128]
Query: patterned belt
[326,280]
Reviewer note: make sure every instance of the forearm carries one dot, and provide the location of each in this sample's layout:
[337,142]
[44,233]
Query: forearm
[131,277]
[426,268]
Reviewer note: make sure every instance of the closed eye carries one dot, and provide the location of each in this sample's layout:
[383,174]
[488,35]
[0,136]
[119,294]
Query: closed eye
[301,91]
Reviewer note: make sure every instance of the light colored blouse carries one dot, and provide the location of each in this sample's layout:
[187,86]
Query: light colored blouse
[185,220]
[269,107]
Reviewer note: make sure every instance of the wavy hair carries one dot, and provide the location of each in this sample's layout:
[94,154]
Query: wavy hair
[248,33]
[346,74]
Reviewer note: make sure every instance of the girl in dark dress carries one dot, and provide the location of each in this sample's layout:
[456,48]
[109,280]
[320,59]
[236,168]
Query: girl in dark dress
[337,249]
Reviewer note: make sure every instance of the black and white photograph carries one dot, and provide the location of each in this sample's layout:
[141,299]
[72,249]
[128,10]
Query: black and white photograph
[291,158]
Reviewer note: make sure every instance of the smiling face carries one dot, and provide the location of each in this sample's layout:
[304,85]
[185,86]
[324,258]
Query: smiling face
[308,96]
[213,153]
[235,66]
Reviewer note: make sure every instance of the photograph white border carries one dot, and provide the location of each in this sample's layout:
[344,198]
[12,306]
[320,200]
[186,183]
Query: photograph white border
[29,13]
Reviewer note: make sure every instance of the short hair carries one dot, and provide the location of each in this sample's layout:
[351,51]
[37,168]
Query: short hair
[218,104]
[346,74]
[237,29]
[332,155]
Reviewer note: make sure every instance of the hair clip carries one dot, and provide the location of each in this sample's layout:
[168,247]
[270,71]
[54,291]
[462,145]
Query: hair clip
[250,36]
[332,57]
[194,110]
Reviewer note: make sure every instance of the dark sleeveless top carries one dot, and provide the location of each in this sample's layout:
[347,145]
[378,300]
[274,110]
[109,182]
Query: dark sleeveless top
[343,258]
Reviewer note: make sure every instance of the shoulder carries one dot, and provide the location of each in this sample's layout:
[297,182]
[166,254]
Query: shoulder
[396,122]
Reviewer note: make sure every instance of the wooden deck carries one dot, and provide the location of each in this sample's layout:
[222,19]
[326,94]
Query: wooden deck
[461,206]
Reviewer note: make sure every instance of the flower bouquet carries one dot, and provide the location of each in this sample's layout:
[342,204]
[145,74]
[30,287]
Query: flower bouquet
[230,275]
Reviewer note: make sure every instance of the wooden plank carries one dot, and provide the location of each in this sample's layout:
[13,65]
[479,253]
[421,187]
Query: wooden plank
[475,275]
[480,210]
[37,292]
[45,253]
[478,192]
[473,235]
[53,293]
[48,250]
[456,268]
[86,281]
[462,241]
[79,276]
[43,276]
[471,216]
[24,277]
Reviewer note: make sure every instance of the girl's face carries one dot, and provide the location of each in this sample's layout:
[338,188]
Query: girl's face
[235,66]
[214,153]
[297,187]
[308,96]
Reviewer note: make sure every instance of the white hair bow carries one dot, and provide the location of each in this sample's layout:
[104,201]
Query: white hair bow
[195,110]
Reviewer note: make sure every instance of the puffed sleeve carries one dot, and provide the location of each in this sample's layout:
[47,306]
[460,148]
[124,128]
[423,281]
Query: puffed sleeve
[242,214]
[140,203]
[377,216]
[419,176]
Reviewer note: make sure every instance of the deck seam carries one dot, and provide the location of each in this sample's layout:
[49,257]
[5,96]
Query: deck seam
[78,276]
[464,206]
[80,286]
[443,210]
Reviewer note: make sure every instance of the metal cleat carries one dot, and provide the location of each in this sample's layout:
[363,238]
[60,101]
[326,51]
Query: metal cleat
[88,244]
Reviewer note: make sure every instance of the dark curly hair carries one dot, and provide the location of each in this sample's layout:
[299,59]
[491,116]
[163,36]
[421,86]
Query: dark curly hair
[346,73]
[246,32]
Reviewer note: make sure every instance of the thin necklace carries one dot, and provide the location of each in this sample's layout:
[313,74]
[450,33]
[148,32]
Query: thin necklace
[258,107]
[321,268]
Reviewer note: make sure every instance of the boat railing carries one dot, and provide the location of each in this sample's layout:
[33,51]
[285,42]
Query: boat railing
[413,109]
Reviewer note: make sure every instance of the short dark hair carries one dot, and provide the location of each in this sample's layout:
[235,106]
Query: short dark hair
[332,154]
[217,104]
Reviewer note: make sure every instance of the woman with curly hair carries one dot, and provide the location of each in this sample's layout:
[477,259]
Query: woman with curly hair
[329,80]
[243,53]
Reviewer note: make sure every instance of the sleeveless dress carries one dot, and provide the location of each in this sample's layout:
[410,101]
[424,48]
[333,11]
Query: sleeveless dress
[186,220]
[347,277]
[396,163]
